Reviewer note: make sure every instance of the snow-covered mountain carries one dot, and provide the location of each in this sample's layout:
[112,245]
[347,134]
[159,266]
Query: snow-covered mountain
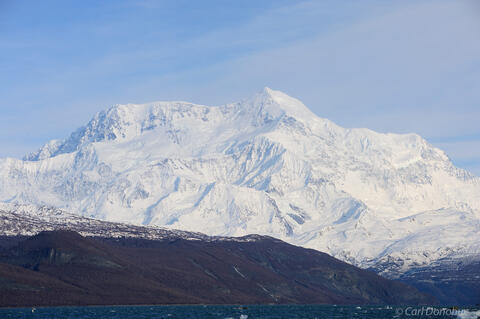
[29,220]
[266,165]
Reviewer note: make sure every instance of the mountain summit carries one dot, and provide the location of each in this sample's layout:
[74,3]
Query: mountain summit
[125,122]
[265,165]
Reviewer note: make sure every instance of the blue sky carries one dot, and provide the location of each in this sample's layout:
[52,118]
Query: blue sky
[392,66]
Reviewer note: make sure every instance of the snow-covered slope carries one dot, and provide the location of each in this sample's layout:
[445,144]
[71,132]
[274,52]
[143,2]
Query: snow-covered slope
[29,220]
[266,165]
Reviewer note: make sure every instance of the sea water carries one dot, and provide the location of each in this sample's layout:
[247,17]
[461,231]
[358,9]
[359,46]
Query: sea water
[238,312]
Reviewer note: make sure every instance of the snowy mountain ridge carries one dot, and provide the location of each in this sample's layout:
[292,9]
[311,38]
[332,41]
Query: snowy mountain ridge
[29,220]
[265,165]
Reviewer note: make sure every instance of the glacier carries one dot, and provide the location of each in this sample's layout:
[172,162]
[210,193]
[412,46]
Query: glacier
[266,165]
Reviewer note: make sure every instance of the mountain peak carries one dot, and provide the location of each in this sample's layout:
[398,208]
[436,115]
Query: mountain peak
[278,102]
[129,120]
[266,91]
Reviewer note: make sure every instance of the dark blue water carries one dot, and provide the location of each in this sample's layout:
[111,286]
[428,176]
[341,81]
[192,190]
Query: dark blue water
[234,312]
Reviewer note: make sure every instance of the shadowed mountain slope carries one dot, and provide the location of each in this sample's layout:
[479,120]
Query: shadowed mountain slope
[64,268]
